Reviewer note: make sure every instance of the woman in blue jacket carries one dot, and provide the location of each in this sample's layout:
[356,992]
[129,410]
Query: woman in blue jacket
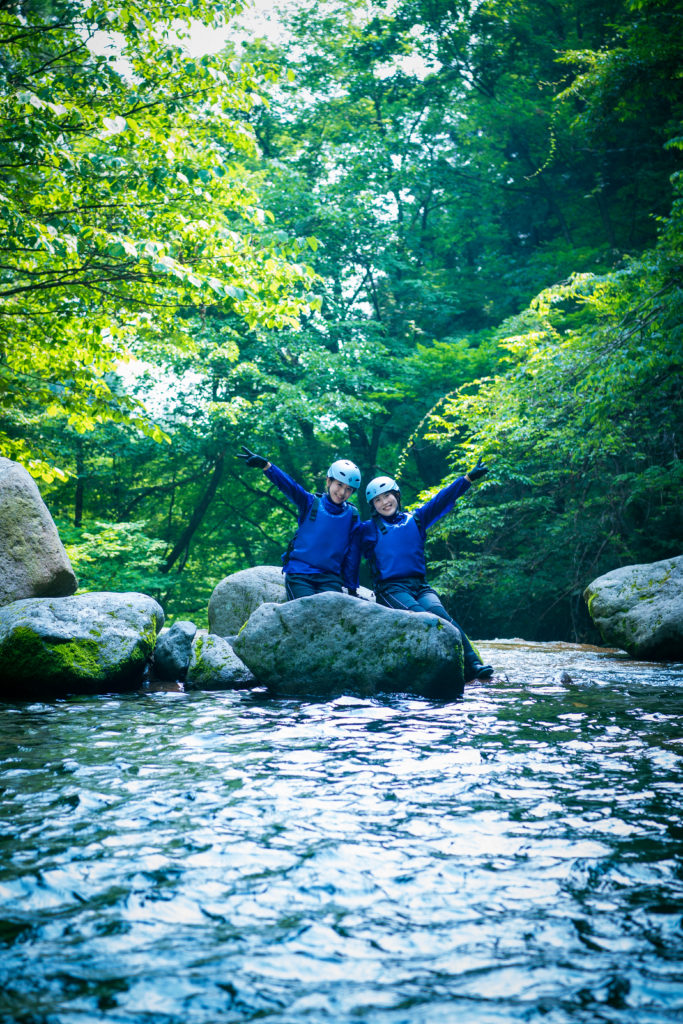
[324,553]
[393,541]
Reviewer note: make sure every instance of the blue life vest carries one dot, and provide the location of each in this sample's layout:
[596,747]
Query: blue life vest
[400,548]
[322,539]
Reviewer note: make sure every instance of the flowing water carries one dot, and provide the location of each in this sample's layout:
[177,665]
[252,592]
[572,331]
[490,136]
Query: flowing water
[207,858]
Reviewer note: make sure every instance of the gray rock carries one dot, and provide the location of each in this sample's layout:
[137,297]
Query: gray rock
[33,562]
[215,666]
[88,643]
[237,596]
[332,643]
[640,609]
[173,650]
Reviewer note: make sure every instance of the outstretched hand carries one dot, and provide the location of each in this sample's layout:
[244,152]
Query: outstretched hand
[479,470]
[251,459]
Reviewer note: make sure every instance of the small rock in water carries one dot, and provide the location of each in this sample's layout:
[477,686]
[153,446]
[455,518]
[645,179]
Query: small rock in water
[565,678]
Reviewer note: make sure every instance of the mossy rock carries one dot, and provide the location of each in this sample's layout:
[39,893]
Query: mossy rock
[215,666]
[329,644]
[639,608]
[88,643]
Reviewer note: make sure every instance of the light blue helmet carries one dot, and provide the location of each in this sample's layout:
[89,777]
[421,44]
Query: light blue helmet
[345,472]
[381,485]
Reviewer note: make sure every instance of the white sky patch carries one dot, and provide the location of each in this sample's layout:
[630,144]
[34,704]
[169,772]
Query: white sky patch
[258,20]
[110,44]
[160,391]
[413,65]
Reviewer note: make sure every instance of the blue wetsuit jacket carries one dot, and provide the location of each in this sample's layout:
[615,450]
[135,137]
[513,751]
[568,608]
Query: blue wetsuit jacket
[328,543]
[395,546]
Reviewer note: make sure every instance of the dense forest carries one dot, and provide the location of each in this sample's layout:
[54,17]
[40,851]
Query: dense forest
[404,233]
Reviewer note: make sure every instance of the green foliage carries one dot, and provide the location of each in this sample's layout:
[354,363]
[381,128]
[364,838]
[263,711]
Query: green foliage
[118,557]
[122,202]
[583,430]
[487,196]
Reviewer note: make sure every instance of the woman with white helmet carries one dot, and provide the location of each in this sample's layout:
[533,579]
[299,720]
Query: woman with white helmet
[324,553]
[393,541]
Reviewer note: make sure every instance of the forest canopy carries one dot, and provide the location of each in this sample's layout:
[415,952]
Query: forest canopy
[406,233]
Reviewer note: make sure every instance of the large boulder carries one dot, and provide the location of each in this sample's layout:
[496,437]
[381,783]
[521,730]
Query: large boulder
[173,650]
[33,562]
[89,643]
[215,666]
[640,609]
[332,643]
[237,596]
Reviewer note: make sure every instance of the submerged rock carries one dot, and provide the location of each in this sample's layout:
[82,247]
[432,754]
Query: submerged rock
[33,561]
[237,596]
[333,643]
[88,643]
[639,608]
[173,650]
[215,666]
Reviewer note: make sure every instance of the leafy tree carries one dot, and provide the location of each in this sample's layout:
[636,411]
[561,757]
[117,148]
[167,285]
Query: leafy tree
[585,419]
[438,154]
[584,429]
[115,557]
[478,189]
[122,202]
[427,149]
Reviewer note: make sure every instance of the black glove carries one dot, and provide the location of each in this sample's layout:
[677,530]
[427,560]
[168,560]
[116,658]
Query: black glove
[479,470]
[252,460]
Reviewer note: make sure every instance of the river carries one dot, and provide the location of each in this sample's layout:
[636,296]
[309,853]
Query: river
[209,858]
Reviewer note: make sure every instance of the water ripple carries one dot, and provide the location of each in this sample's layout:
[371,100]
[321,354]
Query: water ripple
[209,858]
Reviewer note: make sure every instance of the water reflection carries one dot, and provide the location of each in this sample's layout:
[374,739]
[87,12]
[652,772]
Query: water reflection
[515,856]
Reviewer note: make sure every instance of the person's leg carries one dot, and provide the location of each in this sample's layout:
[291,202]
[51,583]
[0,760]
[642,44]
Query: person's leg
[430,601]
[327,583]
[397,595]
[298,584]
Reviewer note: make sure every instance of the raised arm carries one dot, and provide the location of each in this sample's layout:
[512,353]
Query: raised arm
[443,502]
[289,487]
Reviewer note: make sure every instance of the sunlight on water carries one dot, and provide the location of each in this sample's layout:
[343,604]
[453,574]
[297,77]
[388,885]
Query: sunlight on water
[209,858]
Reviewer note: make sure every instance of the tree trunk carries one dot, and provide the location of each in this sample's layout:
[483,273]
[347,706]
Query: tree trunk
[80,484]
[182,545]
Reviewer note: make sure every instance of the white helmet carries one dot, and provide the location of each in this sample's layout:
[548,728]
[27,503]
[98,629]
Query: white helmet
[345,472]
[381,485]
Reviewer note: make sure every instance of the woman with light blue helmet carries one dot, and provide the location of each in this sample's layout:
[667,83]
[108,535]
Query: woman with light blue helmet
[393,541]
[324,553]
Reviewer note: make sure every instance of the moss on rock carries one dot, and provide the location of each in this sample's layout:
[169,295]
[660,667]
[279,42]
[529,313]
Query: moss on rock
[76,644]
[26,657]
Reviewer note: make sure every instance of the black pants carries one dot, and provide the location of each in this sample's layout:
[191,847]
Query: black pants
[299,584]
[412,594]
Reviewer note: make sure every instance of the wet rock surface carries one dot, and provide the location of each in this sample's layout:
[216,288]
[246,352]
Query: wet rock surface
[173,650]
[85,643]
[238,595]
[215,666]
[33,561]
[331,642]
[639,608]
